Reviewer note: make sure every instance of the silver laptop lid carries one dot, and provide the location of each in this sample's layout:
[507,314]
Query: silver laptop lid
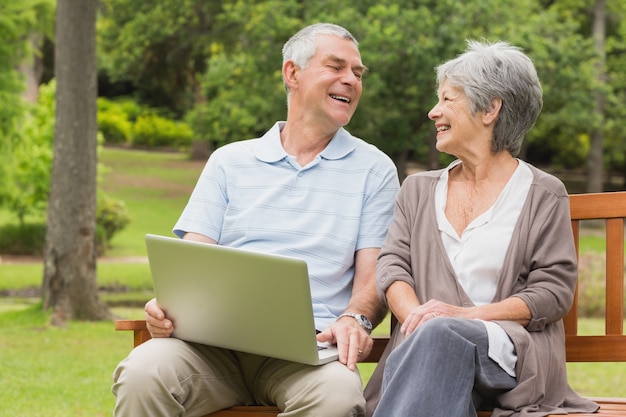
[235,299]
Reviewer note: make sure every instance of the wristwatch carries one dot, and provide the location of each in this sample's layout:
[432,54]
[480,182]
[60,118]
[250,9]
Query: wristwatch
[360,318]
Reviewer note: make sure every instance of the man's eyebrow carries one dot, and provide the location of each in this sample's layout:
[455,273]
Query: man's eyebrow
[343,62]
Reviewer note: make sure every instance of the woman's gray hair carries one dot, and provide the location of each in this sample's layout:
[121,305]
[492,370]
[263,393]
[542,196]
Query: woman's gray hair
[301,46]
[488,71]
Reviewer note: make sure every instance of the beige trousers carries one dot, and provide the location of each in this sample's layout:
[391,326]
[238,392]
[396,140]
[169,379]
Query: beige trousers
[169,377]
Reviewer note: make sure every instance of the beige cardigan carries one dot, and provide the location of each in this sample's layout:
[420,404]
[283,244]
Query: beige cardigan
[540,268]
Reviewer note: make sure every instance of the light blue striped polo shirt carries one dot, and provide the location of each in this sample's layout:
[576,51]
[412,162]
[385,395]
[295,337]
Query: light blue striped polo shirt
[252,195]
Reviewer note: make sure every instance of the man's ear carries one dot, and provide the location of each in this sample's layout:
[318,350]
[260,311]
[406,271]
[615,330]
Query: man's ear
[491,115]
[290,74]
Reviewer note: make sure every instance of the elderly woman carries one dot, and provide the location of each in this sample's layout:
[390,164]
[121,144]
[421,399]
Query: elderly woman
[479,264]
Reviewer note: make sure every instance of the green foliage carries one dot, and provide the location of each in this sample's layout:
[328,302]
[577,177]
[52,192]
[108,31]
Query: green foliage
[234,47]
[124,121]
[25,173]
[235,114]
[111,217]
[22,239]
[113,122]
[28,238]
[23,129]
[158,46]
[18,21]
[153,130]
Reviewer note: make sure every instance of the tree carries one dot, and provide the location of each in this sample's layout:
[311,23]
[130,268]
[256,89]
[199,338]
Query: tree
[615,149]
[401,42]
[69,283]
[595,161]
[158,46]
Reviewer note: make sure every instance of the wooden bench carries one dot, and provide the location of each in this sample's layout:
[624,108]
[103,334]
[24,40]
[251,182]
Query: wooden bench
[609,347]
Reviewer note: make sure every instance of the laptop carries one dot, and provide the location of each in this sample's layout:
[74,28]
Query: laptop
[237,299]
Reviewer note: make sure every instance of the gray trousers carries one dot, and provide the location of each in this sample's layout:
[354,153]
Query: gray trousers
[442,369]
[169,377]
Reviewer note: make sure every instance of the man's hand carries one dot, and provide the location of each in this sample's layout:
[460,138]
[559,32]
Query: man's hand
[353,342]
[158,324]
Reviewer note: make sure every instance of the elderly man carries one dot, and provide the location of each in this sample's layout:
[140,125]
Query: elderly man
[307,188]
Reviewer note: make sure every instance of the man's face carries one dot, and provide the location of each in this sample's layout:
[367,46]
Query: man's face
[330,86]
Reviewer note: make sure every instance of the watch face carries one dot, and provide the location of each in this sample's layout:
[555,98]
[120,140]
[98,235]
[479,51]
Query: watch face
[361,319]
[365,321]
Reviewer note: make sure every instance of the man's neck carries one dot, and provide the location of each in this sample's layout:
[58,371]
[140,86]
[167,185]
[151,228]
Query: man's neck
[304,143]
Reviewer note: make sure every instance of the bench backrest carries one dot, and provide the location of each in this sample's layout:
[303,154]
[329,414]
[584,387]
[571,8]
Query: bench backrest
[611,346]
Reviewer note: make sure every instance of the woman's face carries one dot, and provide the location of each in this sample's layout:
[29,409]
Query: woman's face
[458,130]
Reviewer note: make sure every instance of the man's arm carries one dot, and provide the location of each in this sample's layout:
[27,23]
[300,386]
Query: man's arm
[364,299]
[353,341]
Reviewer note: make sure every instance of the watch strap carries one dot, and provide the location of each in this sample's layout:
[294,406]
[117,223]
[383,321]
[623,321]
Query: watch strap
[360,318]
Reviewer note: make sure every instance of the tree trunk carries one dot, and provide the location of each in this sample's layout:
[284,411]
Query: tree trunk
[32,68]
[401,159]
[70,287]
[433,153]
[595,160]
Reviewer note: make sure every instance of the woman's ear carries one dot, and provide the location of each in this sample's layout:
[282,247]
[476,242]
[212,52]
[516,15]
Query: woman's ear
[491,115]
[290,74]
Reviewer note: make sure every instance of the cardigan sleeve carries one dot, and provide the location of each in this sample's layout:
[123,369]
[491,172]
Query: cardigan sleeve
[549,285]
[394,260]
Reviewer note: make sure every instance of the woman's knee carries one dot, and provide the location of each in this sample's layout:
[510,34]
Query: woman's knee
[446,327]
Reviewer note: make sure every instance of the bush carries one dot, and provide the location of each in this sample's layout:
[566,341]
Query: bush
[152,130]
[124,121]
[115,127]
[25,164]
[130,108]
[23,239]
[111,218]
[115,119]
[30,238]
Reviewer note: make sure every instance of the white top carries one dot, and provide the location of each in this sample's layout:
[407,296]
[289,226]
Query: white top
[490,233]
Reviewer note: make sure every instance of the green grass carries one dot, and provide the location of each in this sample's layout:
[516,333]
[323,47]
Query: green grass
[131,275]
[57,372]
[155,187]
[54,372]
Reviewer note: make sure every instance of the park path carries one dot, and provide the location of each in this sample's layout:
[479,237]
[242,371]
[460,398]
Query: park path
[20,259]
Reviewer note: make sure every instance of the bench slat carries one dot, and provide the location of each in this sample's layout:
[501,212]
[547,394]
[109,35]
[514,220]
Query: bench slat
[598,205]
[608,407]
[615,276]
[604,348]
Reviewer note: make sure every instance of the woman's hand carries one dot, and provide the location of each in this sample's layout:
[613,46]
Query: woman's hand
[433,308]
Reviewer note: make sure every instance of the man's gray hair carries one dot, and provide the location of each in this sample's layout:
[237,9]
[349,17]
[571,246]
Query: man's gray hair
[301,46]
[499,70]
